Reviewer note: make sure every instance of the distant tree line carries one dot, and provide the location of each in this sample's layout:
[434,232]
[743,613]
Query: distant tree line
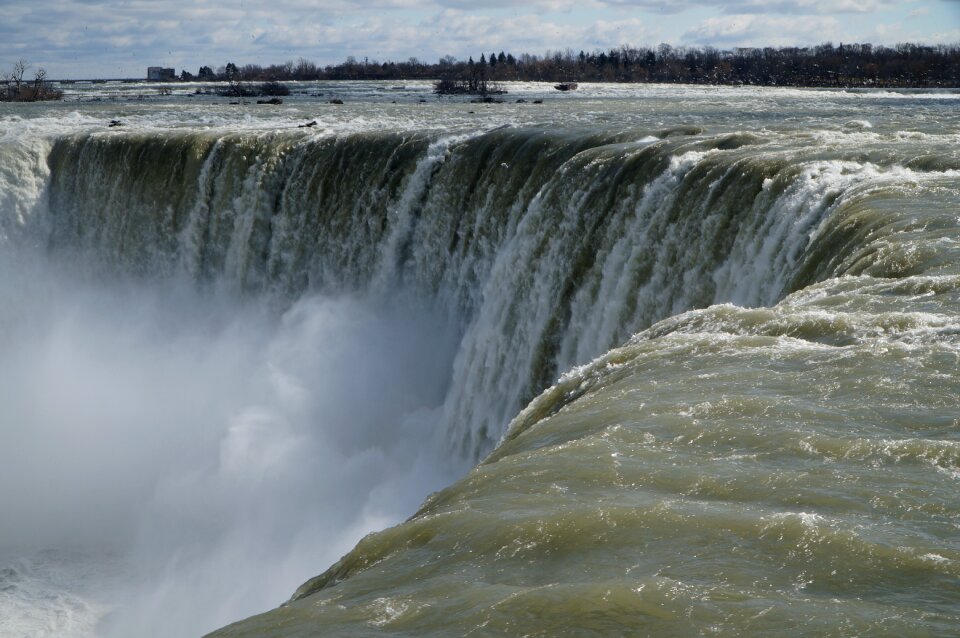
[826,65]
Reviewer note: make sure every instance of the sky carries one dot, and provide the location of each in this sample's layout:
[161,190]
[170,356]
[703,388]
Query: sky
[120,38]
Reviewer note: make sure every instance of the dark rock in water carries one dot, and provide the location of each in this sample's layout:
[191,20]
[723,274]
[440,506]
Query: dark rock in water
[521,101]
[336,101]
[487,100]
[273,100]
[310,124]
[538,101]
[115,123]
[680,130]
[422,101]
[566,86]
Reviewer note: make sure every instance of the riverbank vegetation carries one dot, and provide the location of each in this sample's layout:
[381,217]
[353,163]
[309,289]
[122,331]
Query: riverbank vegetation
[472,79]
[18,88]
[237,87]
[826,65]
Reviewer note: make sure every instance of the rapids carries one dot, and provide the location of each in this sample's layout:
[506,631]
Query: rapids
[703,342]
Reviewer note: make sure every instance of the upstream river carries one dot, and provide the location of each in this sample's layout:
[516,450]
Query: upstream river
[642,360]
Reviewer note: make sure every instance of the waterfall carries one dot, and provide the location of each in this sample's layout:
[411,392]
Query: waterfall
[546,249]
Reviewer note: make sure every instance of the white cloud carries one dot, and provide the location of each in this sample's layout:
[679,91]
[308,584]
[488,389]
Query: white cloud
[120,38]
[754,30]
[807,7]
[951,36]
[531,33]
[743,7]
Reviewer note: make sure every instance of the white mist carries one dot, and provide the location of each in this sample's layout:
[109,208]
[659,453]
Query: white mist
[172,461]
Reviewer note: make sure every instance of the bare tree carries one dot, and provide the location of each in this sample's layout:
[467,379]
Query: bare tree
[232,74]
[39,83]
[19,70]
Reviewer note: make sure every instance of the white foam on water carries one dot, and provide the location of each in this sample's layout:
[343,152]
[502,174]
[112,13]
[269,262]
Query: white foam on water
[44,595]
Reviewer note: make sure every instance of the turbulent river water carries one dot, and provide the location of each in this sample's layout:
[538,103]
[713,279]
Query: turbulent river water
[700,347]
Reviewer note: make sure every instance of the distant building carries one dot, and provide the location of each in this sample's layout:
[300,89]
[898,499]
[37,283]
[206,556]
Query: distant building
[160,74]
